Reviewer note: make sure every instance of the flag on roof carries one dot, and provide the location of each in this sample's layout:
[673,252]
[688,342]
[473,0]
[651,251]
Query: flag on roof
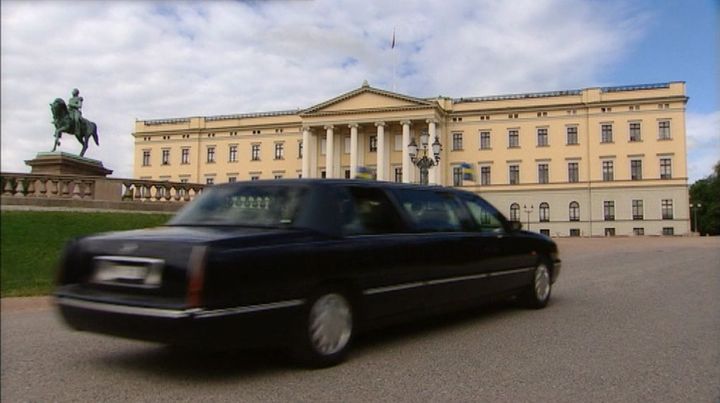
[468,172]
[364,173]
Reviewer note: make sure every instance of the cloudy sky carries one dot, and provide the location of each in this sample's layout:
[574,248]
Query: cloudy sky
[148,60]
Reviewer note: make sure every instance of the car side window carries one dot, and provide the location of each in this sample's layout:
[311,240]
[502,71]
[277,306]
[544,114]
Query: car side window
[430,211]
[485,217]
[367,211]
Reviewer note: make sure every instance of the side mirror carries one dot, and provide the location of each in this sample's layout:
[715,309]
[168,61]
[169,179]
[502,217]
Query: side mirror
[515,225]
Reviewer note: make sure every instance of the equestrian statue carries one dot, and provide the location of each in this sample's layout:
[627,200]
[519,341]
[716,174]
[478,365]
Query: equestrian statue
[68,119]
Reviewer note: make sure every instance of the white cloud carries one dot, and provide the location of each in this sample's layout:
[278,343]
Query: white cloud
[703,141]
[170,59]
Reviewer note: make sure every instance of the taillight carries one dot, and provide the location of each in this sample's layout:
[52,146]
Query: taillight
[196,276]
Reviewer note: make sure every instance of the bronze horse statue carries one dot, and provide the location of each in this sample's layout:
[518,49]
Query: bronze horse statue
[65,124]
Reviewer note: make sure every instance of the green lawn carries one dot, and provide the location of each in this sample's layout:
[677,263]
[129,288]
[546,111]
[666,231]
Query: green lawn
[31,243]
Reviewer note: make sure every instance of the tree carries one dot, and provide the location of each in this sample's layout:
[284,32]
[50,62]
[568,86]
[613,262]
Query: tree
[707,192]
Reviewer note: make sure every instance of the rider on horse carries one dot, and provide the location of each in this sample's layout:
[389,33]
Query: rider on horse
[74,109]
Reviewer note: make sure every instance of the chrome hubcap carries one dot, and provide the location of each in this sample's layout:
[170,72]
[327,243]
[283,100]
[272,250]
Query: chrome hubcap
[330,324]
[542,282]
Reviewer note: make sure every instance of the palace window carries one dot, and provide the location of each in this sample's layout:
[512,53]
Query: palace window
[574,211]
[574,231]
[210,181]
[668,231]
[637,210]
[146,158]
[166,156]
[185,156]
[638,231]
[608,171]
[457,141]
[279,151]
[232,153]
[457,176]
[514,212]
[542,137]
[373,144]
[606,134]
[667,209]
[664,130]
[636,170]
[665,168]
[572,135]
[513,139]
[609,210]
[255,152]
[514,174]
[485,175]
[398,143]
[573,172]
[300,149]
[635,131]
[277,177]
[398,174]
[347,174]
[544,212]
[485,140]
[543,173]
[211,154]
[232,179]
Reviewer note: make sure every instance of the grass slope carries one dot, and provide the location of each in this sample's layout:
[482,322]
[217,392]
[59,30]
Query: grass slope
[31,243]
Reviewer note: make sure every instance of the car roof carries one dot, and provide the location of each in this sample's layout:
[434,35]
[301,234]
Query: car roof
[344,182]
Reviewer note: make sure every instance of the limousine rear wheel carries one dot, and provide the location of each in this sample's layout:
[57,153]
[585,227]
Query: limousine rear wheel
[327,330]
[538,292]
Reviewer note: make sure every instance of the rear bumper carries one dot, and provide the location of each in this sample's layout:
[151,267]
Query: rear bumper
[249,325]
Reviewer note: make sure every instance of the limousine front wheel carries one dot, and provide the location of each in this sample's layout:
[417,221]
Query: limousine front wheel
[327,330]
[538,292]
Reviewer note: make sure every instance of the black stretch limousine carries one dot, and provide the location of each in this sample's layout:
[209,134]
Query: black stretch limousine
[306,263]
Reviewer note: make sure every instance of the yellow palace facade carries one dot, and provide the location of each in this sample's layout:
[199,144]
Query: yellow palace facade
[587,162]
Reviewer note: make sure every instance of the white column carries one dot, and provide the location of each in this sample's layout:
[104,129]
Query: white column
[329,150]
[306,152]
[353,149]
[432,131]
[381,168]
[406,163]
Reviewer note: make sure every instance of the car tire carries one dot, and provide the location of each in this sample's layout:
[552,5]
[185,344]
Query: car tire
[537,294]
[326,330]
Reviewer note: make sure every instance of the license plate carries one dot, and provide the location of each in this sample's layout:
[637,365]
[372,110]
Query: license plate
[130,271]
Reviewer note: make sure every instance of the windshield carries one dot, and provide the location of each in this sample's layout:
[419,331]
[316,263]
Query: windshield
[244,205]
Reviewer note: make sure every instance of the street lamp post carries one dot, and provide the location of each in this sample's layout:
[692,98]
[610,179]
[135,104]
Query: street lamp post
[694,208]
[528,210]
[424,162]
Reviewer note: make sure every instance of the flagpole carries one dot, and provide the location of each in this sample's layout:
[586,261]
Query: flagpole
[394,64]
[394,59]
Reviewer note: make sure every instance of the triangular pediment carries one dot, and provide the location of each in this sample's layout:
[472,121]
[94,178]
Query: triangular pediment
[367,98]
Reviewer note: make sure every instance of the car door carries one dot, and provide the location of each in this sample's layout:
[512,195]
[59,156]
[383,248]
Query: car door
[509,259]
[380,253]
[449,261]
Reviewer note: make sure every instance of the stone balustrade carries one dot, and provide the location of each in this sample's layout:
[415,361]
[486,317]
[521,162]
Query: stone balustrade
[159,191]
[46,186]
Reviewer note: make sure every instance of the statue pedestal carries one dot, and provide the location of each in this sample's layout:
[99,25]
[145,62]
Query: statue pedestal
[59,163]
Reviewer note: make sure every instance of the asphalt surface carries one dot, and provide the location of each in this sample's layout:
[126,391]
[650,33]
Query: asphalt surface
[631,319]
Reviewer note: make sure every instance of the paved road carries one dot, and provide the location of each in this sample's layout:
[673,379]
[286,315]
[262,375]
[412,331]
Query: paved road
[632,319]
